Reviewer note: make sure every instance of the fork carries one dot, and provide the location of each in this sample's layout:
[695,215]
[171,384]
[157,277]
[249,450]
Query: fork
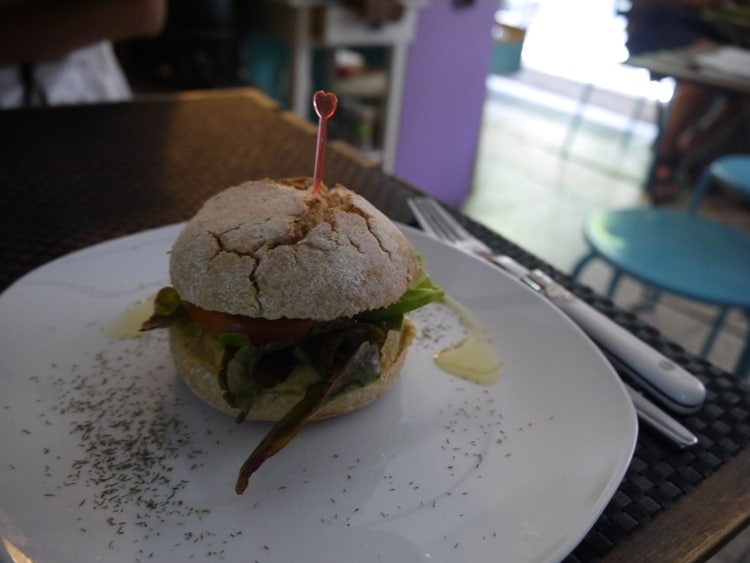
[665,380]
[437,222]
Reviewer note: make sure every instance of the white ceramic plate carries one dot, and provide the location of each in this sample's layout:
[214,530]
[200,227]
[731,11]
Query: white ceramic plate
[107,456]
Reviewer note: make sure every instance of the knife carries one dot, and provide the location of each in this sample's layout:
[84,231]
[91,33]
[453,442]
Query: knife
[651,414]
[647,412]
[666,381]
[682,394]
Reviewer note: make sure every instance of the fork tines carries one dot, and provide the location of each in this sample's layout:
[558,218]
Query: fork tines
[435,219]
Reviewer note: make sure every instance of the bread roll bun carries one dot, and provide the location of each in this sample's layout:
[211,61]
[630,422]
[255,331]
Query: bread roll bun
[200,371]
[273,250]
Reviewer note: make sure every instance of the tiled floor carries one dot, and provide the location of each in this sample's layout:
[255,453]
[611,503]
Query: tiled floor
[528,190]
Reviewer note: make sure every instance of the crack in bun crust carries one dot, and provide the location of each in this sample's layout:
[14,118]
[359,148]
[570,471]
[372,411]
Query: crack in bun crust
[271,249]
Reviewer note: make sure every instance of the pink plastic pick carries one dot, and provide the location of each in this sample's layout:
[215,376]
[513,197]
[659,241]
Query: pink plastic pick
[325,106]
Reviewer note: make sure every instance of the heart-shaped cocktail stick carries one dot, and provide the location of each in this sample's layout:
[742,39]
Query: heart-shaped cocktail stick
[325,106]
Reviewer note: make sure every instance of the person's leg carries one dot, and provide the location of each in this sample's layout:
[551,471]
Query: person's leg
[719,118]
[688,104]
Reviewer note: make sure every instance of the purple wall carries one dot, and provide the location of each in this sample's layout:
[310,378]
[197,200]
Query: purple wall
[444,93]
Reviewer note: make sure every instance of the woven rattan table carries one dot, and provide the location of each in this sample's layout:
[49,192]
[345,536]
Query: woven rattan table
[73,177]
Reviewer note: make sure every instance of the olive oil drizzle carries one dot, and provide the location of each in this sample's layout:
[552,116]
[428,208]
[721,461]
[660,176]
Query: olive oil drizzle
[474,358]
[127,325]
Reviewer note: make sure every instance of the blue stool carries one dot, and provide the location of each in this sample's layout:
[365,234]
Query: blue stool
[682,252]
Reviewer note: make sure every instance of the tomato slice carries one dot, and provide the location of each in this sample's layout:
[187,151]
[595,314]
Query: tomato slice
[258,331]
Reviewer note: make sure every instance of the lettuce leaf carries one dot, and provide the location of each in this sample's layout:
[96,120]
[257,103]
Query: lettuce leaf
[365,359]
[421,292]
[167,309]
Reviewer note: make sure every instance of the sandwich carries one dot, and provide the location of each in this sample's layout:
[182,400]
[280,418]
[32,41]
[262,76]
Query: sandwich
[289,305]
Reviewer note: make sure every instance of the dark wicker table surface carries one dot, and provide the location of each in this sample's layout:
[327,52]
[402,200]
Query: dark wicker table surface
[73,177]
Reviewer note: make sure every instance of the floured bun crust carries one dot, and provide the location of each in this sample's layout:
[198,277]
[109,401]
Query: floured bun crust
[271,249]
[201,376]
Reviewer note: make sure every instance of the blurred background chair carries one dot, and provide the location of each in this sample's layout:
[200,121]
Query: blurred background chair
[681,251]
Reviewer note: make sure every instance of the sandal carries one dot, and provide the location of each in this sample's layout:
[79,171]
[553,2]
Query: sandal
[663,186]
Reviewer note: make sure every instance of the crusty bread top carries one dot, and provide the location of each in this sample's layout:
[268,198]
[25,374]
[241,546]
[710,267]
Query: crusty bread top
[271,249]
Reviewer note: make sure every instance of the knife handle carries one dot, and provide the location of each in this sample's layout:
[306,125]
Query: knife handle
[670,383]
